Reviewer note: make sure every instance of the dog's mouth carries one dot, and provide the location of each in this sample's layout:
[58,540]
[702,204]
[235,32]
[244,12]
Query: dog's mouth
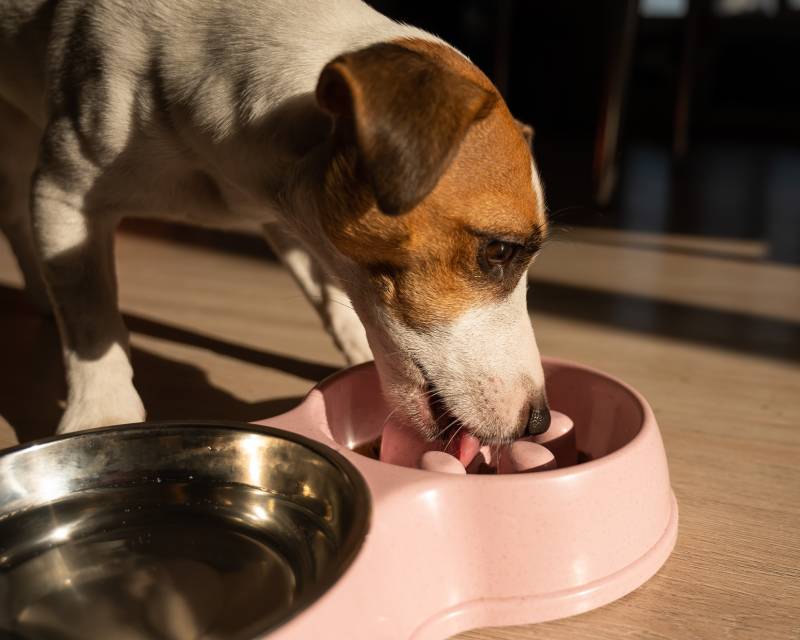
[447,425]
[454,435]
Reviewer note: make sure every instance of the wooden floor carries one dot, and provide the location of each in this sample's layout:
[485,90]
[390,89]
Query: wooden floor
[708,332]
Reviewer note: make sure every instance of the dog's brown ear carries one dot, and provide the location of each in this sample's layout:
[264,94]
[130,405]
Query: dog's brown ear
[406,114]
[527,132]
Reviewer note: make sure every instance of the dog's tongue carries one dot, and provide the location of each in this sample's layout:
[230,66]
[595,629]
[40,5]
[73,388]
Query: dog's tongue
[464,447]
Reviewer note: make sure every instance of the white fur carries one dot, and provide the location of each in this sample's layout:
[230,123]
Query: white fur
[538,189]
[101,392]
[485,366]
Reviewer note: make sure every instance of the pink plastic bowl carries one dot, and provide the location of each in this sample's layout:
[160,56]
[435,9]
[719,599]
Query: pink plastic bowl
[448,553]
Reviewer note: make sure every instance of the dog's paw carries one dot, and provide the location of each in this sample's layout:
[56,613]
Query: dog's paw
[118,406]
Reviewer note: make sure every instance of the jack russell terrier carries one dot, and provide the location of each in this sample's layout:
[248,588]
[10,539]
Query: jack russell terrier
[382,165]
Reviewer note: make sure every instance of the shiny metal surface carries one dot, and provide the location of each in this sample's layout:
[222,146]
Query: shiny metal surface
[174,530]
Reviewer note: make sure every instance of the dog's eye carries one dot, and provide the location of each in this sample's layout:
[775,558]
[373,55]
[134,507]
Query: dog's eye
[499,253]
[495,257]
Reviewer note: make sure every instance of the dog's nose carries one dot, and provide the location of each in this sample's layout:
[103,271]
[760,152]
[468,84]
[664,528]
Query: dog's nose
[538,420]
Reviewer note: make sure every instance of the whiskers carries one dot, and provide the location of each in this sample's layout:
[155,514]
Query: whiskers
[389,417]
[341,303]
[443,431]
[455,433]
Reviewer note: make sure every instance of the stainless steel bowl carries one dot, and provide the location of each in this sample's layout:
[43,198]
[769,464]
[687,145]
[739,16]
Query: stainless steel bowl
[172,530]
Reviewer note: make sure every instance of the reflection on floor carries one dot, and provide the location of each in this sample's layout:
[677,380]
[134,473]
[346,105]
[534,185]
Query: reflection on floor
[724,189]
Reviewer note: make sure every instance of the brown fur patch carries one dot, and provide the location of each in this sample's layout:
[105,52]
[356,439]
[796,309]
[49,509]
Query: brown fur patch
[400,155]
[424,262]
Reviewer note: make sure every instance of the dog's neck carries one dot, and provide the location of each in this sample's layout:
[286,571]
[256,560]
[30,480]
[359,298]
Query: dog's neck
[255,124]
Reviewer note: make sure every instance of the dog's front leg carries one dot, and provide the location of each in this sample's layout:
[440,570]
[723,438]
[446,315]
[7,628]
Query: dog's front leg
[76,251]
[331,303]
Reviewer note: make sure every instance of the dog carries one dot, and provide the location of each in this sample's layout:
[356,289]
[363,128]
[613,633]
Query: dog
[382,165]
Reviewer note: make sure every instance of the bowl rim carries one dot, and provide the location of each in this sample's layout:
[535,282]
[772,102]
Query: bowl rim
[647,430]
[352,542]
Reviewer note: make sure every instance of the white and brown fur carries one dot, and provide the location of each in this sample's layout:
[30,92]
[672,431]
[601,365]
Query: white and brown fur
[378,160]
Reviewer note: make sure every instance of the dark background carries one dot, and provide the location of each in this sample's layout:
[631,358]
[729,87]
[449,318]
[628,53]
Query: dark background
[706,94]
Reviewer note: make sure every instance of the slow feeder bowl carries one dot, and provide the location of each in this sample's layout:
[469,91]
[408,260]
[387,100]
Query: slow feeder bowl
[446,553]
[289,533]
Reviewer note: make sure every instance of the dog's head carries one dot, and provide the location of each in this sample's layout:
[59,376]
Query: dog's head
[433,210]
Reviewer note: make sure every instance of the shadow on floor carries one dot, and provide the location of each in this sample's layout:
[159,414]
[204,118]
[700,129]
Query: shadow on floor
[32,385]
[733,331]
[301,368]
